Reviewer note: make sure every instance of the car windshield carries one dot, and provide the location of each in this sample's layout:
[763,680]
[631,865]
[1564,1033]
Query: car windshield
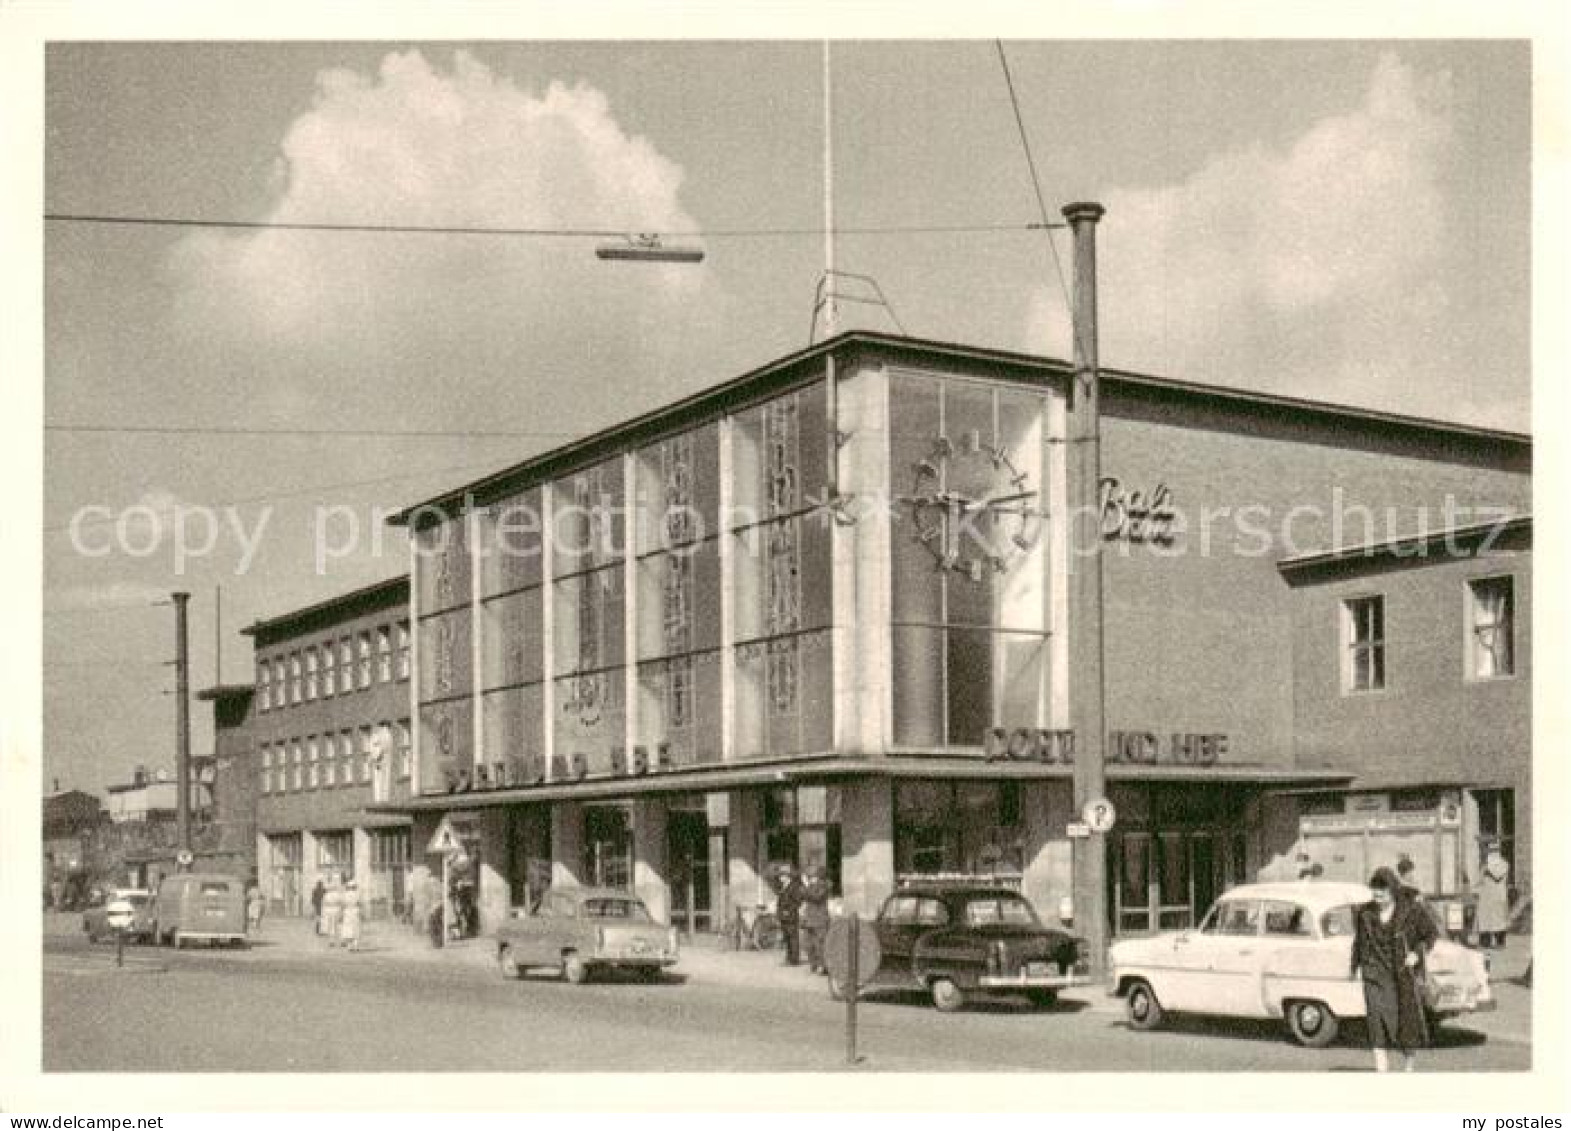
[1011,910]
[135,900]
[1337,923]
[616,909]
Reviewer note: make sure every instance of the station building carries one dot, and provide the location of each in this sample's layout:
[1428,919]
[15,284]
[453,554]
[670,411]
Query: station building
[817,614]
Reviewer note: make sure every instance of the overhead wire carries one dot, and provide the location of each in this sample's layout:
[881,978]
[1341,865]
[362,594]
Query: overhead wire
[1036,182]
[541,233]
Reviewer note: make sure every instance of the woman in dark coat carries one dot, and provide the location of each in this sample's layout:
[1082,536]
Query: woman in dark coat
[1391,937]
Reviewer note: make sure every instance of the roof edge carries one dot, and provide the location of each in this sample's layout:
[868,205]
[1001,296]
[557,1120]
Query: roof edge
[1397,547]
[389,585]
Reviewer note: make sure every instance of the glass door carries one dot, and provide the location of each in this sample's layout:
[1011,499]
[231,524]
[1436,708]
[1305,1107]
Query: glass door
[1132,888]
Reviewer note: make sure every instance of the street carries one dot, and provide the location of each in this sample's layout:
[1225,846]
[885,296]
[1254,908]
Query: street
[273,1009]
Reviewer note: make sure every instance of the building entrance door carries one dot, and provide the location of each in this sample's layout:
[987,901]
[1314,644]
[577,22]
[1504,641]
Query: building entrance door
[687,849]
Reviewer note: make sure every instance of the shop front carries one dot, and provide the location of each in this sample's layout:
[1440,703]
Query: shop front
[1175,849]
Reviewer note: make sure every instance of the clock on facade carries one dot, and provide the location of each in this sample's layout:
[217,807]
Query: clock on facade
[976,531]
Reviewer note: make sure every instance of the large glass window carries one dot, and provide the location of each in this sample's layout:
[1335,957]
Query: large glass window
[1364,630]
[964,827]
[969,559]
[264,685]
[782,577]
[1491,628]
[310,673]
[679,599]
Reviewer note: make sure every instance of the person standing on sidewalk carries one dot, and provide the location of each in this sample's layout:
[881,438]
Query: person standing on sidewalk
[332,911]
[815,918]
[349,925]
[1391,937]
[317,894]
[1494,899]
[254,907]
[788,910]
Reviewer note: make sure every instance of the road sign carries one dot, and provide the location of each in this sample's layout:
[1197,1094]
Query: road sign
[1078,830]
[184,858]
[838,953]
[119,914]
[444,841]
[1099,814]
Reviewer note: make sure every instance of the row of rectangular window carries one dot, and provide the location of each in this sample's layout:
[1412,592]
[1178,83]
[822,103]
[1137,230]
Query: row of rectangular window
[332,760]
[334,668]
[1489,642]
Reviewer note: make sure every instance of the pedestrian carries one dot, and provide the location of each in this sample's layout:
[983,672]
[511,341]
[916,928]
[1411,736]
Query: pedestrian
[317,894]
[815,918]
[254,907]
[1391,937]
[332,911]
[349,924]
[1406,872]
[788,908]
[56,895]
[1494,899]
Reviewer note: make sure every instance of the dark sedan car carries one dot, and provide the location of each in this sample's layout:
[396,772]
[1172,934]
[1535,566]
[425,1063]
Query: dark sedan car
[957,943]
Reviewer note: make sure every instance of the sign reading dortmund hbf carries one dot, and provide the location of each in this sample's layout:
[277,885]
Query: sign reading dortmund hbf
[1133,747]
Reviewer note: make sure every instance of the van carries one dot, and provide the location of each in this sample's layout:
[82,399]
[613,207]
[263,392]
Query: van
[195,905]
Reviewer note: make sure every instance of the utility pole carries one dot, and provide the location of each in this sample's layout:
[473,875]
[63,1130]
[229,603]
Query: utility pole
[1087,689]
[182,725]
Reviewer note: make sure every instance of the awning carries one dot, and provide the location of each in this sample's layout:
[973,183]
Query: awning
[824,768]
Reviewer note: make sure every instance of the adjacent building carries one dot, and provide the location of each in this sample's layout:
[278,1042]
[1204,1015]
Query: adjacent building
[817,614]
[328,732]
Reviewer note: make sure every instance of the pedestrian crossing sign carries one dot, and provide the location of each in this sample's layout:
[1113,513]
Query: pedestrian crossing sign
[444,841]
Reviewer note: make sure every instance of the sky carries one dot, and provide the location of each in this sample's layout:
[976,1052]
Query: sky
[1336,220]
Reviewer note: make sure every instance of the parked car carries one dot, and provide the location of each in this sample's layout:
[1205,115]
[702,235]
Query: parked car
[199,906]
[960,942]
[95,920]
[1279,950]
[578,931]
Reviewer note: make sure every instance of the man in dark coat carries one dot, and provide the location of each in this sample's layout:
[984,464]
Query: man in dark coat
[1391,937]
[318,893]
[815,918]
[788,908]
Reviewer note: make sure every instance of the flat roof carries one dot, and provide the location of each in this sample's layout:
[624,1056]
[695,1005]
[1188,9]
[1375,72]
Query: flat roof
[392,589]
[1405,546]
[782,371]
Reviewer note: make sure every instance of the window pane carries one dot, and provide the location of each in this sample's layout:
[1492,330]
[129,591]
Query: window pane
[969,668]
[442,562]
[445,659]
[511,547]
[513,639]
[918,686]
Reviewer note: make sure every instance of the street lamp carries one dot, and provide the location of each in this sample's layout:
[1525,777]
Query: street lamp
[647,248]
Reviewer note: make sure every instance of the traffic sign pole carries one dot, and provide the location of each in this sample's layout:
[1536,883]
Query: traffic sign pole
[852,988]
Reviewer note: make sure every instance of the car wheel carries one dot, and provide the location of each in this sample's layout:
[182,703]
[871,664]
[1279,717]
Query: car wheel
[507,963]
[1144,1011]
[1042,999]
[575,969]
[947,997]
[1311,1024]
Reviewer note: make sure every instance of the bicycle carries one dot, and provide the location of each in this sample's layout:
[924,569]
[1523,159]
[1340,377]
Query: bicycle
[759,930]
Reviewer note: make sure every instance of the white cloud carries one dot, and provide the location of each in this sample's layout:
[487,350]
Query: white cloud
[1314,267]
[462,147]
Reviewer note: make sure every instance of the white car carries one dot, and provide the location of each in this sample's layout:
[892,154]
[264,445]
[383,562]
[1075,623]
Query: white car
[1278,950]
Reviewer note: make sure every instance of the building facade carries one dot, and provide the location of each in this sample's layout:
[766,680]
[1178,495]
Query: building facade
[1425,699]
[818,615]
[329,735]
